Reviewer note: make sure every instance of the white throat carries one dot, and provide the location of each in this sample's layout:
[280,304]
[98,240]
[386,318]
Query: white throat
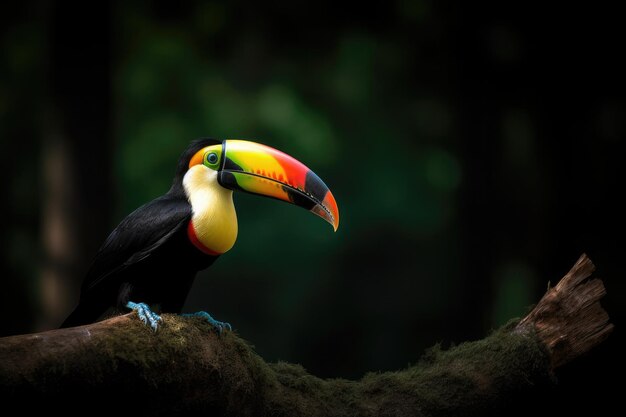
[213,211]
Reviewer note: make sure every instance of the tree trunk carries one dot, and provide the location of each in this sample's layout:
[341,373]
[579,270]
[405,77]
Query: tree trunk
[76,179]
[185,367]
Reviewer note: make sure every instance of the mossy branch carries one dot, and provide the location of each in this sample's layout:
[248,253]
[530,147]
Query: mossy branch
[121,365]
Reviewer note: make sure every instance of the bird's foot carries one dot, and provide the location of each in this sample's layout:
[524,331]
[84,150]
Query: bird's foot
[219,325]
[146,315]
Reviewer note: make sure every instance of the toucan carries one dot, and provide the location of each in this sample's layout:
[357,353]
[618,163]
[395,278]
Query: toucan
[149,262]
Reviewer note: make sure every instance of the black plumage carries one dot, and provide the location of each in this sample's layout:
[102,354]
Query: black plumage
[148,257]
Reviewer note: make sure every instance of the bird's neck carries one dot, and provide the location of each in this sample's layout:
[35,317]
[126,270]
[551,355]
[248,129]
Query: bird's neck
[213,226]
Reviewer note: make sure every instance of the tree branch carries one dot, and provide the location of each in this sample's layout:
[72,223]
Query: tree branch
[569,319]
[186,367]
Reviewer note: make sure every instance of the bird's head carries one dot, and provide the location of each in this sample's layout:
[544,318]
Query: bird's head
[241,165]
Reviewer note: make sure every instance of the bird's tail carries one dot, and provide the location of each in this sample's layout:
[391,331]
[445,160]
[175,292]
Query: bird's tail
[84,313]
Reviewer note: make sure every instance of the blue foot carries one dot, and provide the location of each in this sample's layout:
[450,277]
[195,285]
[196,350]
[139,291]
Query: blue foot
[219,325]
[146,315]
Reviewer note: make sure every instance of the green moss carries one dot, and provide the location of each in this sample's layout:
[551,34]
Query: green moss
[186,367]
[479,377]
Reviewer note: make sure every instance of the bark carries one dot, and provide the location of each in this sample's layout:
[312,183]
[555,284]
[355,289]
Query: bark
[569,319]
[186,367]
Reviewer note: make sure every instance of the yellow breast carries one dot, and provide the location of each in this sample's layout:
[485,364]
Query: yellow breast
[214,218]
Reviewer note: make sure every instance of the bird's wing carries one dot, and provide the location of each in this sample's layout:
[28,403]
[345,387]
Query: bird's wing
[137,236]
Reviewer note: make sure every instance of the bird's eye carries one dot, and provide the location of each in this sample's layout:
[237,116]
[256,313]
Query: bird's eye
[212,158]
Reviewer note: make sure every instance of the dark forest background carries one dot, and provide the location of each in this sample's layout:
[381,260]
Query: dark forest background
[475,151]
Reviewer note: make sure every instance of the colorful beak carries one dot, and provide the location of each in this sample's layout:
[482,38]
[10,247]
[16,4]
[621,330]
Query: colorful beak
[259,169]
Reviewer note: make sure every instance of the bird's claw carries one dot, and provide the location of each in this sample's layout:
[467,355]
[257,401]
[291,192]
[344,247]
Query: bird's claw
[146,315]
[219,325]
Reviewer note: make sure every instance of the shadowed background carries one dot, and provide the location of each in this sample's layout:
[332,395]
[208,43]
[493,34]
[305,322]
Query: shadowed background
[475,151]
